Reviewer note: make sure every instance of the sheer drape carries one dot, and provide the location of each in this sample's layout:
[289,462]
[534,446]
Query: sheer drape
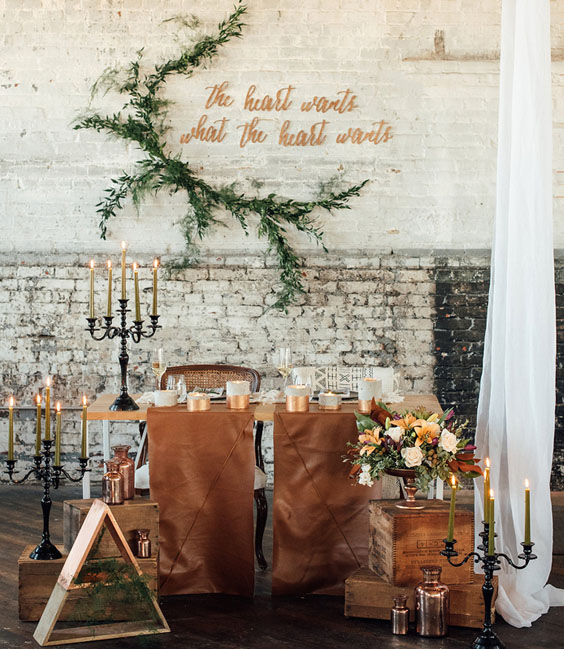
[517,395]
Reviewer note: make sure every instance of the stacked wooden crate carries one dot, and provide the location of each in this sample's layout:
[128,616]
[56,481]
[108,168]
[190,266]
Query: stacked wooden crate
[37,578]
[402,541]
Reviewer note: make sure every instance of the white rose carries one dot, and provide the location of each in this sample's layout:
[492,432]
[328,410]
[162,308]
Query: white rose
[365,468]
[412,456]
[448,441]
[395,433]
[365,478]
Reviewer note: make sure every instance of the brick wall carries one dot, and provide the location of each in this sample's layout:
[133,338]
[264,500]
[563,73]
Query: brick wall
[424,316]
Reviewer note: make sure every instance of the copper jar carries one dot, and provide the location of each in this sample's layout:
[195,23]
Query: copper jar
[143,544]
[400,615]
[126,468]
[112,484]
[431,604]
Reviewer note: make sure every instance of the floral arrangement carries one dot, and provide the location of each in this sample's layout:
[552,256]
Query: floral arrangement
[433,446]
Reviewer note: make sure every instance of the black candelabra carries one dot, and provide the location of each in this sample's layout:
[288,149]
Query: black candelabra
[490,563]
[50,475]
[136,333]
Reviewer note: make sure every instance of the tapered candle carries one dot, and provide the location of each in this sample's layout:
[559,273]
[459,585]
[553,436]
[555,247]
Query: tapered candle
[450,535]
[83,451]
[38,427]
[123,291]
[486,489]
[136,282]
[527,513]
[11,429]
[48,409]
[58,435]
[155,267]
[91,288]
[109,310]
[491,531]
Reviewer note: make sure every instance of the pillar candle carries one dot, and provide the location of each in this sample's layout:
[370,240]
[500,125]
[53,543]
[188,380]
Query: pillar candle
[329,400]
[91,288]
[527,513]
[486,489]
[155,267]
[48,410]
[136,284]
[237,388]
[123,291]
[110,270]
[83,448]
[58,435]
[450,535]
[491,532]
[11,429]
[38,427]
[369,389]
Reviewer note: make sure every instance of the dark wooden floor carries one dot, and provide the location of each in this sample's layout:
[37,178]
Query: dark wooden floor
[222,622]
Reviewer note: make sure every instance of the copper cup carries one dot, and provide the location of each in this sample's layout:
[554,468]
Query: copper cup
[238,401]
[198,405]
[297,404]
[365,406]
[335,407]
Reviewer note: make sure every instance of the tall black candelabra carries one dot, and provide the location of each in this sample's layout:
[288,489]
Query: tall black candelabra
[136,333]
[489,563]
[50,474]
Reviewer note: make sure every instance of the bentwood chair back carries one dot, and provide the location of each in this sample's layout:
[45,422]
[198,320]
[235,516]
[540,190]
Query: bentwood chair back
[212,376]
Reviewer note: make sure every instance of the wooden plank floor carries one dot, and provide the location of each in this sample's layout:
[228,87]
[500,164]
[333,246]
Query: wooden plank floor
[224,622]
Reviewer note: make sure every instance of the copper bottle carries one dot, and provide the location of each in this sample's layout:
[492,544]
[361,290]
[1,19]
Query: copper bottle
[112,484]
[400,615]
[126,468]
[431,604]
[143,544]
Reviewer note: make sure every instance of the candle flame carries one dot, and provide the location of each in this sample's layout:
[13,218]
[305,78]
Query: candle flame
[526,483]
[123,245]
[83,399]
[155,263]
[109,263]
[11,402]
[48,381]
[135,266]
[491,494]
[488,462]
[58,406]
[453,480]
[91,263]
[38,399]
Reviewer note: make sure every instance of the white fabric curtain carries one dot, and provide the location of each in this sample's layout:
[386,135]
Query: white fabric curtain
[517,394]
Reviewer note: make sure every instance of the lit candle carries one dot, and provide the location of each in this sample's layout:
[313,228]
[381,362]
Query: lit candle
[91,288]
[38,427]
[527,513]
[450,535]
[491,532]
[110,270]
[48,410]
[11,429]
[486,489]
[83,448]
[155,266]
[58,435]
[123,249]
[136,282]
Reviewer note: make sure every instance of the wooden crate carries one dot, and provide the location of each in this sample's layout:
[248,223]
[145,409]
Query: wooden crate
[135,514]
[368,596]
[37,579]
[403,540]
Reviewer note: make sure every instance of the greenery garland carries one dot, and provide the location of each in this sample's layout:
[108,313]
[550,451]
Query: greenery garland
[143,120]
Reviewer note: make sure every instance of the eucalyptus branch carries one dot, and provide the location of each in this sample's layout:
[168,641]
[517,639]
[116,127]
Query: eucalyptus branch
[143,121]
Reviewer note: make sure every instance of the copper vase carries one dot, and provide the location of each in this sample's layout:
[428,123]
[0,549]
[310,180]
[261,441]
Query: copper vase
[126,468]
[431,604]
[143,544]
[112,484]
[400,615]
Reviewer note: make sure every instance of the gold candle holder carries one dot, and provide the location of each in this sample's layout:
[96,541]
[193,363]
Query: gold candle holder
[365,406]
[238,401]
[197,402]
[297,404]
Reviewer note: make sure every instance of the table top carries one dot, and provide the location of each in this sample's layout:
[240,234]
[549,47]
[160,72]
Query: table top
[100,409]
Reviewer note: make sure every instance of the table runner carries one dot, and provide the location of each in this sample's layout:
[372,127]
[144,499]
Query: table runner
[320,518]
[202,475]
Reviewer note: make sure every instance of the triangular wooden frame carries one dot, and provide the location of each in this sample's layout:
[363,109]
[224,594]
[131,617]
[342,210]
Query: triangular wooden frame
[98,516]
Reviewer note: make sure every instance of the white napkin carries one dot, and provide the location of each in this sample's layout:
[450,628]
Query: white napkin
[270,396]
[147,397]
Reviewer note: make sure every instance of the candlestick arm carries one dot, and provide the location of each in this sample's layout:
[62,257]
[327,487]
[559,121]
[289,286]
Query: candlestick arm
[526,556]
[83,461]
[10,466]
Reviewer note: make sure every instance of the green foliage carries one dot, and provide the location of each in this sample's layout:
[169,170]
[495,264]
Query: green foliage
[143,120]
